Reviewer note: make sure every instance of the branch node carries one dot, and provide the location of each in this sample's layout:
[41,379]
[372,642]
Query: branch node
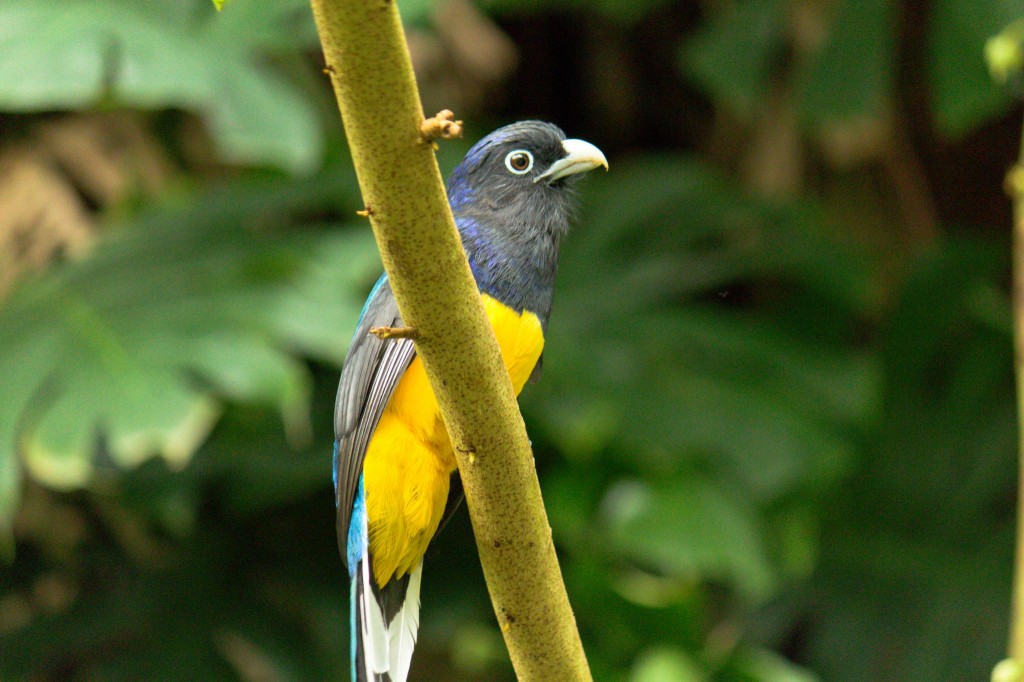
[507,621]
[385,333]
[442,125]
[468,450]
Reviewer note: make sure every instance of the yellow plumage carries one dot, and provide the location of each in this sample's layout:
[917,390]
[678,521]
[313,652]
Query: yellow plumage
[410,460]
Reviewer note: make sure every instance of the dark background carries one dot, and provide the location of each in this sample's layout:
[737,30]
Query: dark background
[775,428]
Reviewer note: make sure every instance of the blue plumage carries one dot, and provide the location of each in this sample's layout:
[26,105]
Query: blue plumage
[511,226]
[356,548]
[357,540]
[334,470]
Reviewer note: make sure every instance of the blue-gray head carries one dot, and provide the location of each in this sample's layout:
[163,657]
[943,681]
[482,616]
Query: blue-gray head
[512,197]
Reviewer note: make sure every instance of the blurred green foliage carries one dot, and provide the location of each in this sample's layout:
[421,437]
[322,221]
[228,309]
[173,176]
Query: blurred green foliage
[172,54]
[775,430]
[144,336]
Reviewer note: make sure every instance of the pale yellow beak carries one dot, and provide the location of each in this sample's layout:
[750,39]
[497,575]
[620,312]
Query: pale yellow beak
[581,156]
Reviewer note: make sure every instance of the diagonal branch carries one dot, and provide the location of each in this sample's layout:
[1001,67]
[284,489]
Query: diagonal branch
[368,62]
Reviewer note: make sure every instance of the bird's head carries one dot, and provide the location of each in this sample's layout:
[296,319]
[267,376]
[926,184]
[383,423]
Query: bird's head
[521,177]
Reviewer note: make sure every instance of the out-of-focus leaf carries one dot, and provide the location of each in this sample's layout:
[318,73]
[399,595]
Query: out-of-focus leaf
[666,664]
[963,92]
[763,665]
[134,345]
[24,365]
[735,54]
[688,528]
[858,53]
[80,53]
[476,648]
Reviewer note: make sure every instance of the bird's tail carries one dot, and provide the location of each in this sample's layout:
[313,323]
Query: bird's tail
[384,624]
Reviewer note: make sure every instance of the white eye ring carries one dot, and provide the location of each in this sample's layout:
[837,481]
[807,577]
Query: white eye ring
[513,169]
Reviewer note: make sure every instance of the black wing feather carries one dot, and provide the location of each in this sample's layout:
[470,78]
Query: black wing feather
[451,505]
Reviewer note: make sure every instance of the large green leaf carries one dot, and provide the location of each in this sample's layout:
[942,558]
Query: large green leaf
[763,665]
[690,530]
[667,664]
[83,53]
[133,347]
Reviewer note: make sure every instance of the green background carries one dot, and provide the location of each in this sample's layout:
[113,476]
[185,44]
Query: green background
[775,428]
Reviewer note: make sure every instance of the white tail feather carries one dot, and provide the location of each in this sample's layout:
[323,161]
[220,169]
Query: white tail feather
[403,629]
[375,634]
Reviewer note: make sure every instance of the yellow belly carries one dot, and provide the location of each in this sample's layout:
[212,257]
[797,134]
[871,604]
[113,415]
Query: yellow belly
[410,460]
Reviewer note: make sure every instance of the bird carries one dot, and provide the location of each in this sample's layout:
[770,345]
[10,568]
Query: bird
[395,476]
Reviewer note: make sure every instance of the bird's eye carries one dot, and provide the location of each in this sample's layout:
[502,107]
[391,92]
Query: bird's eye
[520,161]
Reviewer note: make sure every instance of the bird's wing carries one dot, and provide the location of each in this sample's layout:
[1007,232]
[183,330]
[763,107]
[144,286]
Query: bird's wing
[372,370]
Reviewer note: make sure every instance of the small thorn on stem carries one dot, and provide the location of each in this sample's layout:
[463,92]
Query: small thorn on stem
[507,620]
[442,125]
[329,70]
[385,333]
[365,213]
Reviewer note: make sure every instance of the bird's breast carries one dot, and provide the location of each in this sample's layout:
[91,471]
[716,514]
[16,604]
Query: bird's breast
[520,337]
[521,340]
[410,458]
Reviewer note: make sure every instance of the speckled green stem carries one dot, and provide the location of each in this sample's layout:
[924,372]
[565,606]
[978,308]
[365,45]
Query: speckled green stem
[368,61]
[1015,184]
